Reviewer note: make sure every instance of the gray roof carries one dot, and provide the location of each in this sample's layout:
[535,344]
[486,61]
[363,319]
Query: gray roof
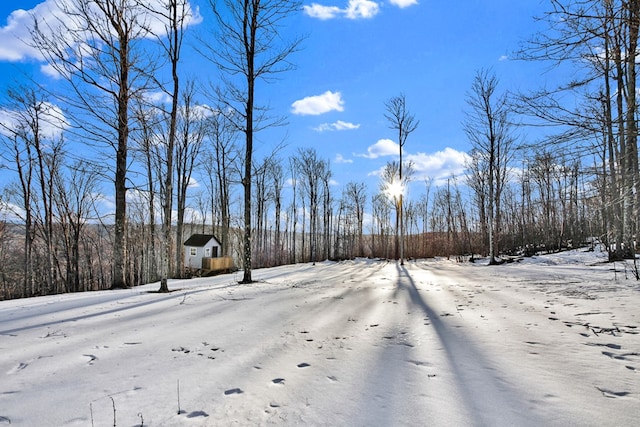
[200,240]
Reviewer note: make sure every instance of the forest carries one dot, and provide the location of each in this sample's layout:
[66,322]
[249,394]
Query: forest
[576,186]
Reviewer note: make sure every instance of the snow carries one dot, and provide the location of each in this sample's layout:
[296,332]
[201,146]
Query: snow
[551,340]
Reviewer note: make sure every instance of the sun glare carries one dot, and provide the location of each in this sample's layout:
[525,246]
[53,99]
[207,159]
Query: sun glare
[395,189]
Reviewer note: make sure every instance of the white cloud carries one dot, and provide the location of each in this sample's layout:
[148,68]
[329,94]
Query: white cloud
[203,110]
[339,125]
[323,127]
[193,183]
[384,147]
[361,9]
[319,104]
[158,97]
[158,25]
[356,9]
[503,58]
[439,165]
[340,159]
[322,12]
[403,3]
[51,71]
[14,36]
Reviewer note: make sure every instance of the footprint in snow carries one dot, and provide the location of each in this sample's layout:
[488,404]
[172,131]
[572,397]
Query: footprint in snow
[278,381]
[92,358]
[612,394]
[233,391]
[618,356]
[303,365]
[19,367]
[612,346]
[196,414]
[419,363]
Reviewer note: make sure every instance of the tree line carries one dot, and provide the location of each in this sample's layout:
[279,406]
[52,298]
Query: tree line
[147,135]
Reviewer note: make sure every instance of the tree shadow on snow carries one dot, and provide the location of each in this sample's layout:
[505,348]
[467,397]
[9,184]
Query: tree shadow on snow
[487,398]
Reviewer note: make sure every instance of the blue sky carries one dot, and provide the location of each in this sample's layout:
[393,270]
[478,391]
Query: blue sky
[356,55]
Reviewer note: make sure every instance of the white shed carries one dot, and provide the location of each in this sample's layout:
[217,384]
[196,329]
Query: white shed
[200,246]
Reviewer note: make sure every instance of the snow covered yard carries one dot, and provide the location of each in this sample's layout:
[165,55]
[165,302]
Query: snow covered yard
[552,340]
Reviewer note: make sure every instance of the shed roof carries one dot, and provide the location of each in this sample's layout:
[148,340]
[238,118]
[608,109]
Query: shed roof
[200,240]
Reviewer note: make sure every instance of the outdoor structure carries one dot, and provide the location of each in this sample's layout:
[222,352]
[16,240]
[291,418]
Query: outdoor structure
[201,255]
[200,246]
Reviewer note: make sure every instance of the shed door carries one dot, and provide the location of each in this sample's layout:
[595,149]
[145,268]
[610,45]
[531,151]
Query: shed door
[215,252]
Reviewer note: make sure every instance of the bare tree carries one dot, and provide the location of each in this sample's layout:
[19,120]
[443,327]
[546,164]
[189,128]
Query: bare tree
[392,187]
[293,211]
[312,171]
[381,225]
[17,151]
[490,132]
[595,37]
[94,46]
[74,197]
[424,212]
[262,198]
[269,181]
[447,221]
[477,179]
[220,165]
[149,147]
[191,130]
[174,15]
[34,147]
[327,208]
[405,123]
[10,258]
[250,46]
[276,172]
[355,197]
